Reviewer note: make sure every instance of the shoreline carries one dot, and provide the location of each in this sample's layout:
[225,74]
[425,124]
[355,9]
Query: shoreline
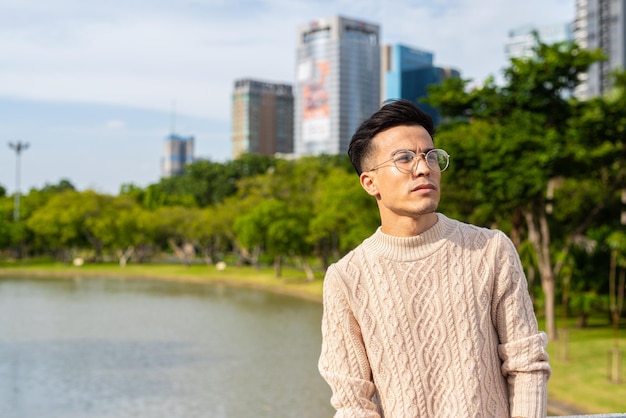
[280,287]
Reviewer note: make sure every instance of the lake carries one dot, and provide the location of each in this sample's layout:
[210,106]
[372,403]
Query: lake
[139,348]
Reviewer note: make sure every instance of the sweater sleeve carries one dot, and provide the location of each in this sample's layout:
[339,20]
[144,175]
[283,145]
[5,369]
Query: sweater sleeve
[343,361]
[522,347]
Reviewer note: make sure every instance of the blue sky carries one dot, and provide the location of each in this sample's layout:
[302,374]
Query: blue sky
[92,86]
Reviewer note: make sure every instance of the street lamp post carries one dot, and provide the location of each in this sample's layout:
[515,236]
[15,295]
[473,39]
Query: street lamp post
[18,147]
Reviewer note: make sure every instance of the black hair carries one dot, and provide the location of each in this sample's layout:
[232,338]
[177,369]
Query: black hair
[400,112]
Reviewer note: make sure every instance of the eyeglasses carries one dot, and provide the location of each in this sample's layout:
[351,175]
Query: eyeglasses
[406,160]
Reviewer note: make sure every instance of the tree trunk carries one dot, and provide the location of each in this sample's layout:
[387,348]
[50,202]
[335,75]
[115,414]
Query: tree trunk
[124,256]
[616,294]
[278,263]
[539,236]
[547,284]
[310,276]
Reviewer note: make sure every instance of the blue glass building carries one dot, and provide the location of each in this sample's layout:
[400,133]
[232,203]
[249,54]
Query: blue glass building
[408,72]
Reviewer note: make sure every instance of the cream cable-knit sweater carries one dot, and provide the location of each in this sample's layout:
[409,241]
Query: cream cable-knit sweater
[437,325]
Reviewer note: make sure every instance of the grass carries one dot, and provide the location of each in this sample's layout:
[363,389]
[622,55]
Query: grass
[579,358]
[580,368]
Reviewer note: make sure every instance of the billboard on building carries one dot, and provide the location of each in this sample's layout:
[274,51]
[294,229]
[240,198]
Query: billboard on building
[313,80]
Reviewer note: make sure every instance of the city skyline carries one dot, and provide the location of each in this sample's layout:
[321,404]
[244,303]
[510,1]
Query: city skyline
[95,89]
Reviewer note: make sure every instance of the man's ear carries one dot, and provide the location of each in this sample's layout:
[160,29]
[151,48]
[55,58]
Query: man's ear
[368,183]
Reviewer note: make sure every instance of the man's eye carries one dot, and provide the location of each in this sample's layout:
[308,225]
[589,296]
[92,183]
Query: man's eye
[404,158]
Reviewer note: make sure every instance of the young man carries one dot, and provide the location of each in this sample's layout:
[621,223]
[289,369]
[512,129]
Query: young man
[428,317]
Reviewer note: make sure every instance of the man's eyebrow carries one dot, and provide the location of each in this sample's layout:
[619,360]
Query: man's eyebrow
[412,150]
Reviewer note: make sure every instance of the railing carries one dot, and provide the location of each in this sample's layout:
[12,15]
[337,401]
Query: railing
[597,416]
[559,409]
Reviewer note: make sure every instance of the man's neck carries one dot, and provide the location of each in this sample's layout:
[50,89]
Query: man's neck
[408,227]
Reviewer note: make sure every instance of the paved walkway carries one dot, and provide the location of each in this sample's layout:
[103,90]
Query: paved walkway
[557,408]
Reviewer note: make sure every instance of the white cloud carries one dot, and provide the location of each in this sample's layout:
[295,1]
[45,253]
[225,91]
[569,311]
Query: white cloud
[115,125]
[147,54]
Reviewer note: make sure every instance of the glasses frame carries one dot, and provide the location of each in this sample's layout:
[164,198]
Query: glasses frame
[415,154]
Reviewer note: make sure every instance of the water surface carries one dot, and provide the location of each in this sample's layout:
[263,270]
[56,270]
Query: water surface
[137,348]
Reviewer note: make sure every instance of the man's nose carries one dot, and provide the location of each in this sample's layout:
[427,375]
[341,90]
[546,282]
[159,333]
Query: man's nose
[425,168]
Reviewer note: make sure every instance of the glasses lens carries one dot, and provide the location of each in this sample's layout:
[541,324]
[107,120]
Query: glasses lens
[404,161]
[438,159]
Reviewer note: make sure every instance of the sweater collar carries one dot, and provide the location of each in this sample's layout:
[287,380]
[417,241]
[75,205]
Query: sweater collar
[410,248]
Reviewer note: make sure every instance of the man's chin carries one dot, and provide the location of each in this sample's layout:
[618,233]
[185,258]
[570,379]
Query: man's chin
[427,209]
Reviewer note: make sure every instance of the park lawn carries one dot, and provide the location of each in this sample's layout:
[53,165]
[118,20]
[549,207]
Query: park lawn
[580,368]
[579,377]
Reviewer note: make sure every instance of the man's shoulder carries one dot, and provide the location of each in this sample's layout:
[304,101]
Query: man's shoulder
[471,232]
[469,228]
[349,257]
[350,261]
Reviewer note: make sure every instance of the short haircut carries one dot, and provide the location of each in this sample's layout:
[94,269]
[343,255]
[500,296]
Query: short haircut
[400,112]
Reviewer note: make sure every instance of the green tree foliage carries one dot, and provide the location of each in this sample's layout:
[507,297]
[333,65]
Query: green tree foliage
[6,223]
[344,214]
[211,232]
[288,187]
[173,230]
[61,223]
[121,229]
[528,157]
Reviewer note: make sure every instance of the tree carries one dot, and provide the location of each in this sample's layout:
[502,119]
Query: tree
[525,145]
[60,222]
[6,217]
[211,231]
[119,227]
[344,214]
[211,182]
[174,230]
[617,243]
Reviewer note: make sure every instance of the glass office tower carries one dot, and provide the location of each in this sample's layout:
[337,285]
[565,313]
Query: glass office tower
[520,41]
[407,74]
[179,151]
[601,24]
[337,83]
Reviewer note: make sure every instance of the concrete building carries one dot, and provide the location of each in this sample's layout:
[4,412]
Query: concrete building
[337,82]
[601,24]
[262,118]
[179,151]
[408,72]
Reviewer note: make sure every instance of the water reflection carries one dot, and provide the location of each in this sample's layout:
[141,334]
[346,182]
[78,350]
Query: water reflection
[132,348]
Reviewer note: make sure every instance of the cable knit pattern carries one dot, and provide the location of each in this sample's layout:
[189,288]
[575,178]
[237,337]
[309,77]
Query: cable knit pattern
[437,325]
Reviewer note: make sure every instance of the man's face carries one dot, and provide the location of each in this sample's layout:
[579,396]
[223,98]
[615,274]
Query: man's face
[400,194]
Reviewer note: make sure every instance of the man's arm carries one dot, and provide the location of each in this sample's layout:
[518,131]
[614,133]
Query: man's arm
[343,362]
[522,346]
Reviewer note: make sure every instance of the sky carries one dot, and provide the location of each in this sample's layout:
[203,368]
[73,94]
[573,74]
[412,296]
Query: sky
[94,88]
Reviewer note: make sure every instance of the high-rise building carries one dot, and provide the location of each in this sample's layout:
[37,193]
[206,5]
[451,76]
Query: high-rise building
[179,151]
[520,42]
[601,24]
[337,82]
[408,72]
[262,118]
